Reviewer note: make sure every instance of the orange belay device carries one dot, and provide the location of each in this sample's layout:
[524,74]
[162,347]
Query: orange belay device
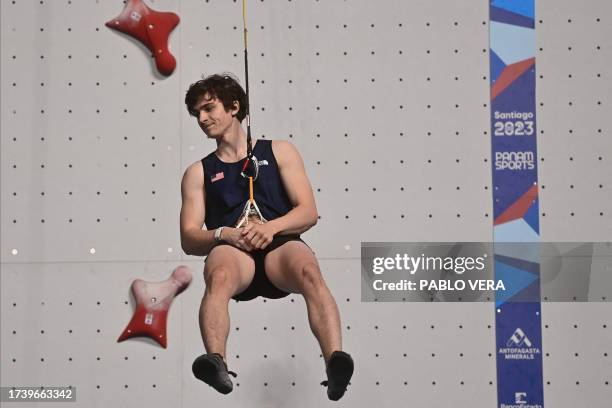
[153,300]
[251,212]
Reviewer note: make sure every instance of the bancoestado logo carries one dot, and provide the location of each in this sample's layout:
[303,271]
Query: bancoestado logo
[514,160]
[519,347]
[520,401]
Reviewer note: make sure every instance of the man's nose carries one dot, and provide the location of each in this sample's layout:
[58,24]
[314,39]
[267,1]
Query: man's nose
[202,116]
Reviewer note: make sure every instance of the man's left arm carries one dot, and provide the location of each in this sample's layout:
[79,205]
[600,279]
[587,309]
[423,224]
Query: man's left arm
[303,215]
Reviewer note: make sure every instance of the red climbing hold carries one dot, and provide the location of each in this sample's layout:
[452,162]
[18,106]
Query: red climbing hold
[153,301]
[151,28]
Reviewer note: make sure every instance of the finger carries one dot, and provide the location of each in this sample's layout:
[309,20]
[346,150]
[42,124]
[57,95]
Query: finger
[246,245]
[245,230]
[240,244]
[265,242]
[254,242]
[257,242]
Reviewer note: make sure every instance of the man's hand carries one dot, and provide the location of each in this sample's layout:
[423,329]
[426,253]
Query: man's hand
[234,237]
[258,236]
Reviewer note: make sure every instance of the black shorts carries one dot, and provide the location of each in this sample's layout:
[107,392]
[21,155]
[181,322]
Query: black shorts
[261,285]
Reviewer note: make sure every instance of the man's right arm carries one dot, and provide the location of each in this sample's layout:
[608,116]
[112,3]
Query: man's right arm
[194,240]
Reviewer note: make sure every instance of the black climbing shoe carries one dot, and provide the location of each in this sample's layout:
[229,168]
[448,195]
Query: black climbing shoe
[211,369]
[339,371]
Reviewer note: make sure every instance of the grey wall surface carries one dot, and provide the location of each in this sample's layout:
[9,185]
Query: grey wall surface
[387,103]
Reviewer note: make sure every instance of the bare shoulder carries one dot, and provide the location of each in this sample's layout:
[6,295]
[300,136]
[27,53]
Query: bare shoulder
[194,175]
[193,199]
[284,151]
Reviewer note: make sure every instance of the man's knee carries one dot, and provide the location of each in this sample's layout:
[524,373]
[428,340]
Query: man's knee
[219,279]
[310,277]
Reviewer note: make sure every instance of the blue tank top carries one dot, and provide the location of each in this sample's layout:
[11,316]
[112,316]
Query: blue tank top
[227,191]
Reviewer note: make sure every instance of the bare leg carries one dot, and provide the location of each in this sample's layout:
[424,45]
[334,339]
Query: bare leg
[228,271]
[323,314]
[294,268]
[214,320]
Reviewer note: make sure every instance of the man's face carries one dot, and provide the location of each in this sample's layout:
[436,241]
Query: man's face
[212,117]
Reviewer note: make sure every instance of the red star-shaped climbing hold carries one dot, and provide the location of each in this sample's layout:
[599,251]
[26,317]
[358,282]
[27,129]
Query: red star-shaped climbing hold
[151,28]
[153,300]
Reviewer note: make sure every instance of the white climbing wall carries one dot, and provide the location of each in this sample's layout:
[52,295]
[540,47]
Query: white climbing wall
[388,104]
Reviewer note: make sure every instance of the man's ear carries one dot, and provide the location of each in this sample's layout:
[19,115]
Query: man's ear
[236,108]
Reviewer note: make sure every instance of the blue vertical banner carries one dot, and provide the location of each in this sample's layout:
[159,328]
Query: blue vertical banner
[515,203]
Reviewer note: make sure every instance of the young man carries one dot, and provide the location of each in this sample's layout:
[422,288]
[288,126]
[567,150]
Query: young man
[268,259]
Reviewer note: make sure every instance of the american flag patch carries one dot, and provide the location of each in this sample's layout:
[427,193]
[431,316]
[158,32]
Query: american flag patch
[216,177]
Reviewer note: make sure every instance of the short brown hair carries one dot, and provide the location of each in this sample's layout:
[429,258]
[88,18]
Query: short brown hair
[224,87]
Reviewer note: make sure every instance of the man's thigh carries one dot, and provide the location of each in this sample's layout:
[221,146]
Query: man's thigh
[285,265]
[236,266]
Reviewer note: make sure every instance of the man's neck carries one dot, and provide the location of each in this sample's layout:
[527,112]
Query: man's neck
[232,145]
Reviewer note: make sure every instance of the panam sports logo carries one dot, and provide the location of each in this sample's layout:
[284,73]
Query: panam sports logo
[514,160]
[519,347]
